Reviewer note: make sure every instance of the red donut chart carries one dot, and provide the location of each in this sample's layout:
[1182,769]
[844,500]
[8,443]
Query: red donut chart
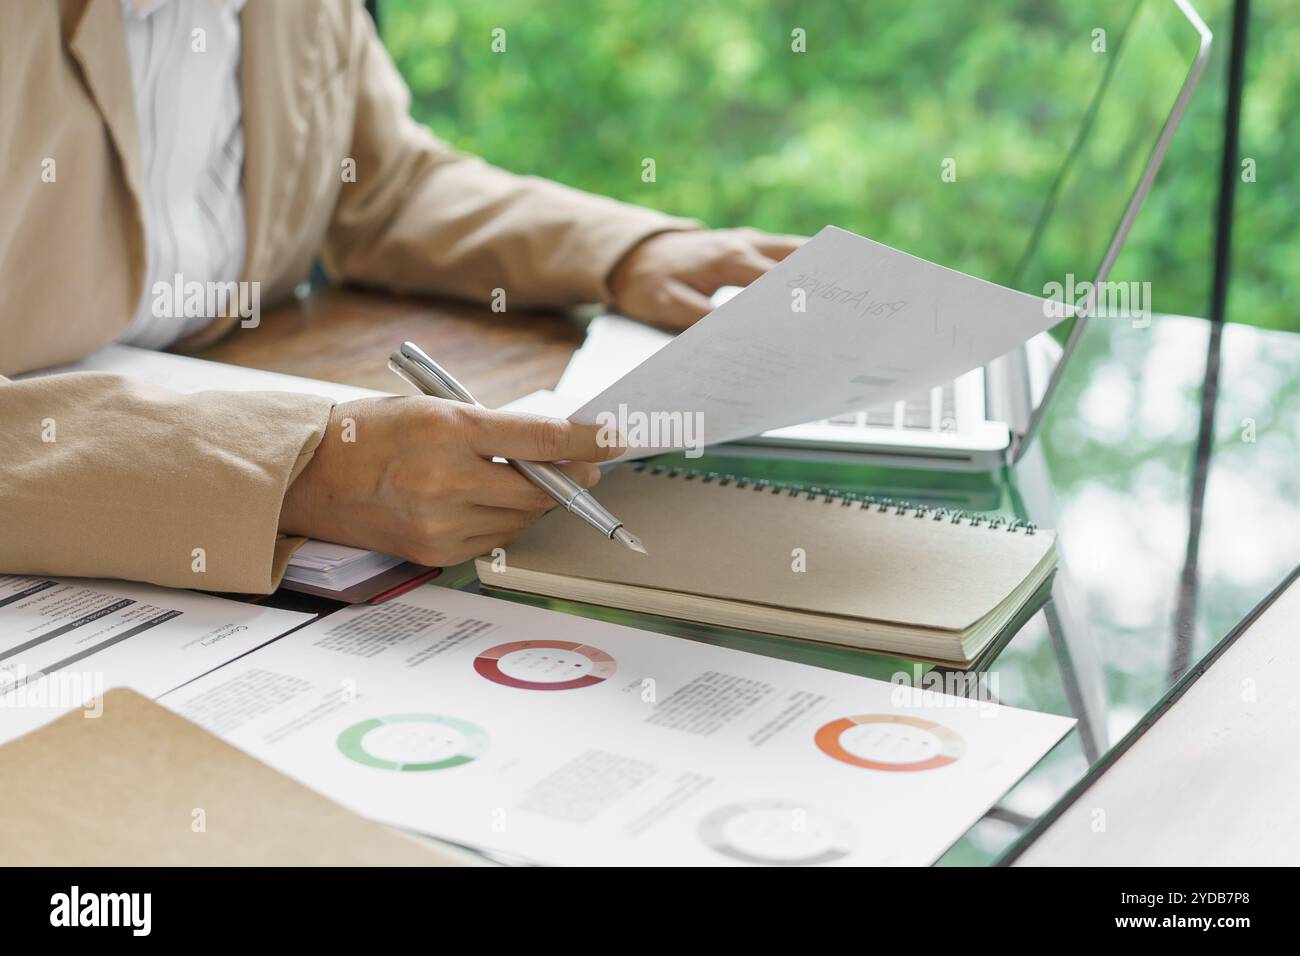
[891,742]
[545,665]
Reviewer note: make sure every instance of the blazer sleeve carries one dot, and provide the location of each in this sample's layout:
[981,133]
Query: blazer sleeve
[421,217]
[101,476]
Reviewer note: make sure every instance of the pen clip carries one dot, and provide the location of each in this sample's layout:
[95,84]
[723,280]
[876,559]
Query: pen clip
[397,362]
[412,364]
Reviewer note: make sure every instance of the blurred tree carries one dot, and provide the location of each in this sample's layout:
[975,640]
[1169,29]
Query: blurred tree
[855,129]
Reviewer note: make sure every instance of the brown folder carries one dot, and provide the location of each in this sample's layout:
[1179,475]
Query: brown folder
[141,786]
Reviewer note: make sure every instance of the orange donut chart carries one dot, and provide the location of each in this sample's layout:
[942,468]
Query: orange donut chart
[894,735]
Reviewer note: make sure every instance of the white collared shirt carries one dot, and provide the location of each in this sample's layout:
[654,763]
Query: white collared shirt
[184,57]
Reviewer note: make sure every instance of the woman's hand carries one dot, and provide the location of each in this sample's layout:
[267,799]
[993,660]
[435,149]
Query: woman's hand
[414,477]
[667,279]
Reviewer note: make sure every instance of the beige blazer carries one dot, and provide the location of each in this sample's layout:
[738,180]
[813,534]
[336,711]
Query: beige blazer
[101,476]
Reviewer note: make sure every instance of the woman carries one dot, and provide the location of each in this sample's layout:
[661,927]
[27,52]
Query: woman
[220,141]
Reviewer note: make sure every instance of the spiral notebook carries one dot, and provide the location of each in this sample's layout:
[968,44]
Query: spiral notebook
[814,564]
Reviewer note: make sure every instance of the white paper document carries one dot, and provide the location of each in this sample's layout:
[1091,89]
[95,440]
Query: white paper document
[64,641]
[337,566]
[565,740]
[842,324]
[613,347]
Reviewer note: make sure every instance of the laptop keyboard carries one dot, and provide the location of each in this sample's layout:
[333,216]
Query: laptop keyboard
[937,413]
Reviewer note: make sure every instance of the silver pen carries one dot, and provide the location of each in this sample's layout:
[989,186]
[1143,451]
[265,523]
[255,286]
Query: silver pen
[412,364]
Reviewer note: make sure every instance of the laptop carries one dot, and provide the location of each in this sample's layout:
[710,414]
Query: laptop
[987,417]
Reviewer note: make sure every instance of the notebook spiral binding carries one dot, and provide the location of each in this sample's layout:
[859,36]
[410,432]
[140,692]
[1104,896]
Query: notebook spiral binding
[845,499]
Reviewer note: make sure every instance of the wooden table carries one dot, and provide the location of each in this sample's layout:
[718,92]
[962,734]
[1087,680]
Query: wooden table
[344,335]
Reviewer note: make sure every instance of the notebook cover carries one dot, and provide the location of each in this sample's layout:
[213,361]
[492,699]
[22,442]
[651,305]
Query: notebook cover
[743,544]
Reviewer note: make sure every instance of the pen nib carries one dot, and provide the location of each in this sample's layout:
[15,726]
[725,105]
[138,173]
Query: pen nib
[629,540]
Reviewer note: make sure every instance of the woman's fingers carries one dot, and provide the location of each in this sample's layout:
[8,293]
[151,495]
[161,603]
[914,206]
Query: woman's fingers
[740,267]
[584,473]
[534,438]
[498,485]
[487,543]
[682,305]
[774,245]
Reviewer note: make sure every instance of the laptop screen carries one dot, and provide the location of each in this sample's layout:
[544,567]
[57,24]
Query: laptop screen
[1152,50]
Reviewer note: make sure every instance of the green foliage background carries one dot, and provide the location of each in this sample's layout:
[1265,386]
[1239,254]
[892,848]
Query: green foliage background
[852,132]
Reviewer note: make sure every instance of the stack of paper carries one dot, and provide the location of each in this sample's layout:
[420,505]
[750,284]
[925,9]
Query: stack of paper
[335,566]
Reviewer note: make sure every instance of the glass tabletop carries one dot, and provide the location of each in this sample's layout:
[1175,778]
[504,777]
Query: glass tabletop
[1112,471]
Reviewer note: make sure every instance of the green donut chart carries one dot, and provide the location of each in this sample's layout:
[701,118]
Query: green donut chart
[413,742]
